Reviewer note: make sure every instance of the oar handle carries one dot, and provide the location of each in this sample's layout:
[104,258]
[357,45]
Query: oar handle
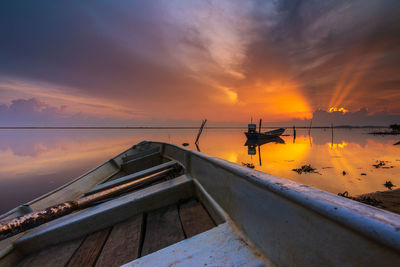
[33,219]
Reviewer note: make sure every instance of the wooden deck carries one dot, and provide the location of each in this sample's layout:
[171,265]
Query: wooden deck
[140,235]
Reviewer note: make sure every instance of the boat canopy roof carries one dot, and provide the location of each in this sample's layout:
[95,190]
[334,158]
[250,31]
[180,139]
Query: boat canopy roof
[252,126]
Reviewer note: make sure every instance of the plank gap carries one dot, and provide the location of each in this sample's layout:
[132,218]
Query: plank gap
[123,243]
[88,252]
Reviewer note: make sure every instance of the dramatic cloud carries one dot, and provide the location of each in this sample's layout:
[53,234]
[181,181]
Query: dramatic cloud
[185,60]
[357,118]
[32,110]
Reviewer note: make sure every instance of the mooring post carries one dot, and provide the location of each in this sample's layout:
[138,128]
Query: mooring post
[294,134]
[200,131]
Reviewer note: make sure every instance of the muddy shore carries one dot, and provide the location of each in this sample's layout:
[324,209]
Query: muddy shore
[387,200]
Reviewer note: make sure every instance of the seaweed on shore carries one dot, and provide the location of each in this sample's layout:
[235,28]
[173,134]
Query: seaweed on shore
[363,199]
[379,164]
[306,169]
[389,184]
[382,164]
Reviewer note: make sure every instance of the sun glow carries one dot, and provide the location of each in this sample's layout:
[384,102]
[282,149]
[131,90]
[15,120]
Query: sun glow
[279,100]
[335,109]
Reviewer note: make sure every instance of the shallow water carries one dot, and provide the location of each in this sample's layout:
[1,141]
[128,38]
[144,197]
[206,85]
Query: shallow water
[33,162]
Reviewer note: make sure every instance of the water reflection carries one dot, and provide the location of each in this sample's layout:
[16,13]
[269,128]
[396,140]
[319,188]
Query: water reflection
[253,144]
[36,161]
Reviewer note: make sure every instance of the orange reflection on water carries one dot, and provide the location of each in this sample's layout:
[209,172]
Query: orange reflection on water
[278,157]
[335,146]
[61,156]
[340,165]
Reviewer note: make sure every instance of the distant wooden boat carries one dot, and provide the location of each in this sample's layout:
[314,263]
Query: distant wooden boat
[158,204]
[266,135]
[252,133]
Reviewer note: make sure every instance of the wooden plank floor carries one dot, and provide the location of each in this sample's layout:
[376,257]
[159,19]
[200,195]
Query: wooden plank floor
[163,228]
[123,244]
[140,235]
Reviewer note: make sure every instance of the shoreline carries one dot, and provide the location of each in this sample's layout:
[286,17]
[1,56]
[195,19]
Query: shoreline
[388,200]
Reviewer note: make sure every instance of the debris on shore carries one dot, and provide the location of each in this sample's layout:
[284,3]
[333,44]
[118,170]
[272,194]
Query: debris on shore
[363,199]
[396,144]
[389,184]
[382,164]
[185,144]
[379,164]
[248,165]
[387,200]
[363,173]
[344,173]
[306,169]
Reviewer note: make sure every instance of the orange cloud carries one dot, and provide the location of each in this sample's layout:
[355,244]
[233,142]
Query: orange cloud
[276,100]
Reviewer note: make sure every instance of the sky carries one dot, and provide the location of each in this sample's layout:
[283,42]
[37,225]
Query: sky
[141,62]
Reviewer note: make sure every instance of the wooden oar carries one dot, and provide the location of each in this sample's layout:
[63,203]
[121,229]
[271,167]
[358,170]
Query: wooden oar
[33,219]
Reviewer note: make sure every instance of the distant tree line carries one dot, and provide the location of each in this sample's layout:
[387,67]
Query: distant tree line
[395,127]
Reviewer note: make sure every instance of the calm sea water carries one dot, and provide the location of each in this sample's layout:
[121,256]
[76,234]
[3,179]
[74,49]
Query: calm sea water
[32,162]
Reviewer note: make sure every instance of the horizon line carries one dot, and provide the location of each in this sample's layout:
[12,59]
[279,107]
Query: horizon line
[168,127]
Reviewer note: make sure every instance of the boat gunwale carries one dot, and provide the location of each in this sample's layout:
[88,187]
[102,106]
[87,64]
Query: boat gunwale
[377,224]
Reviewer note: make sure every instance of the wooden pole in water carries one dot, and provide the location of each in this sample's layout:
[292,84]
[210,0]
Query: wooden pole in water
[200,130]
[332,134]
[294,134]
[33,219]
[259,129]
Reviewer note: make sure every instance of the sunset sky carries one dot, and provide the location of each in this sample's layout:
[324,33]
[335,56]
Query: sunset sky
[96,62]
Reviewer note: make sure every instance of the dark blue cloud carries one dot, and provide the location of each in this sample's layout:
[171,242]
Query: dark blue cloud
[64,42]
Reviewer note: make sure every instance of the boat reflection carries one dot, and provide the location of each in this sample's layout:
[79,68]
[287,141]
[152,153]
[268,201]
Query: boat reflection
[252,144]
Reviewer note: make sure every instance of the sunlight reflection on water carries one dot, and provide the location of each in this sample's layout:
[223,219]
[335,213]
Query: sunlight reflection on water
[34,162]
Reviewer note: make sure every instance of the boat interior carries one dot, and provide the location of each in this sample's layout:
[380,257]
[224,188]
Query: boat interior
[192,209]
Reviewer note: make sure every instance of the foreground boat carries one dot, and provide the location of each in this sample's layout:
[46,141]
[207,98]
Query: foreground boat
[158,204]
